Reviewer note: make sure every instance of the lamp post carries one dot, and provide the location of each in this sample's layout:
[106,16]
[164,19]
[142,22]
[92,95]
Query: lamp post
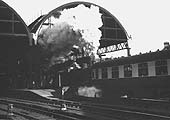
[59,79]
[63,105]
[60,83]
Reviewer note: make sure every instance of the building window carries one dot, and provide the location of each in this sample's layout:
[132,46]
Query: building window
[143,69]
[104,72]
[161,67]
[128,70]
[115,72]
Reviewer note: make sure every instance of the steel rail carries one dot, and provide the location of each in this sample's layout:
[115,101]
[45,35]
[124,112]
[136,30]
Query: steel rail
[19,114]
[46,109]
[106,110]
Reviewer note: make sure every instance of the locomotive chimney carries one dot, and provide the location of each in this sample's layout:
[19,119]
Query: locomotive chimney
[166,46]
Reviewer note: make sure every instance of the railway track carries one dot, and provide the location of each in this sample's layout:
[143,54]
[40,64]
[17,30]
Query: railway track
[54,110]
[17,114]
[117,111]
[86,111]
[149,108]
[23,108]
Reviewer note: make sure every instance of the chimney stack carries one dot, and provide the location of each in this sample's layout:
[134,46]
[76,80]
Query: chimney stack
[166,46]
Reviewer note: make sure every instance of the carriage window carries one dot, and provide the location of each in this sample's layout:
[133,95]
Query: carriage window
[104,72]
[161,67]
[93,74]
[143,69]
[97,73]
[128,70]
[115,72]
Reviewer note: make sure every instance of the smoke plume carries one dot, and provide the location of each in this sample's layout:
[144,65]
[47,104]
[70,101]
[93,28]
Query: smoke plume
[75,26]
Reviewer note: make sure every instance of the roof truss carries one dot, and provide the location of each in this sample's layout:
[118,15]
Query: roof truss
[117,47]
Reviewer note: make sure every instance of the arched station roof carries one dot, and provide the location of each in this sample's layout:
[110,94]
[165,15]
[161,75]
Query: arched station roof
[14,33]
[11,23]
[113,32]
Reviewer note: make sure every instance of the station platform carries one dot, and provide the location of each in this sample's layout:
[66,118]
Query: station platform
[39,93]
[42,92]
[34,93]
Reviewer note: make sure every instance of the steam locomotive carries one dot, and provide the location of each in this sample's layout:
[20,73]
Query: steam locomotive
[141,76]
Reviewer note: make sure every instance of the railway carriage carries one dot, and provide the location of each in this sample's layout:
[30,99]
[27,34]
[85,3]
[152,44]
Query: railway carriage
[144,75]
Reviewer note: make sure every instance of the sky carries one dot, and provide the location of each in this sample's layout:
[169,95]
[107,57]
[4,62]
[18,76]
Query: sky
[147,21]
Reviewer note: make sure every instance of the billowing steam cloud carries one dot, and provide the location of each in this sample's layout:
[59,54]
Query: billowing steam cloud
[60,38]
[89,91]
[75,26]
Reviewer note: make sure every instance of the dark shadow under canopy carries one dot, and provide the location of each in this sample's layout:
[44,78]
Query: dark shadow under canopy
[14,43]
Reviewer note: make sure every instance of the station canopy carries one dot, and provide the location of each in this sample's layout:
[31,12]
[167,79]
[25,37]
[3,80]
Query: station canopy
[11,23]
[113,33]
[14,34]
